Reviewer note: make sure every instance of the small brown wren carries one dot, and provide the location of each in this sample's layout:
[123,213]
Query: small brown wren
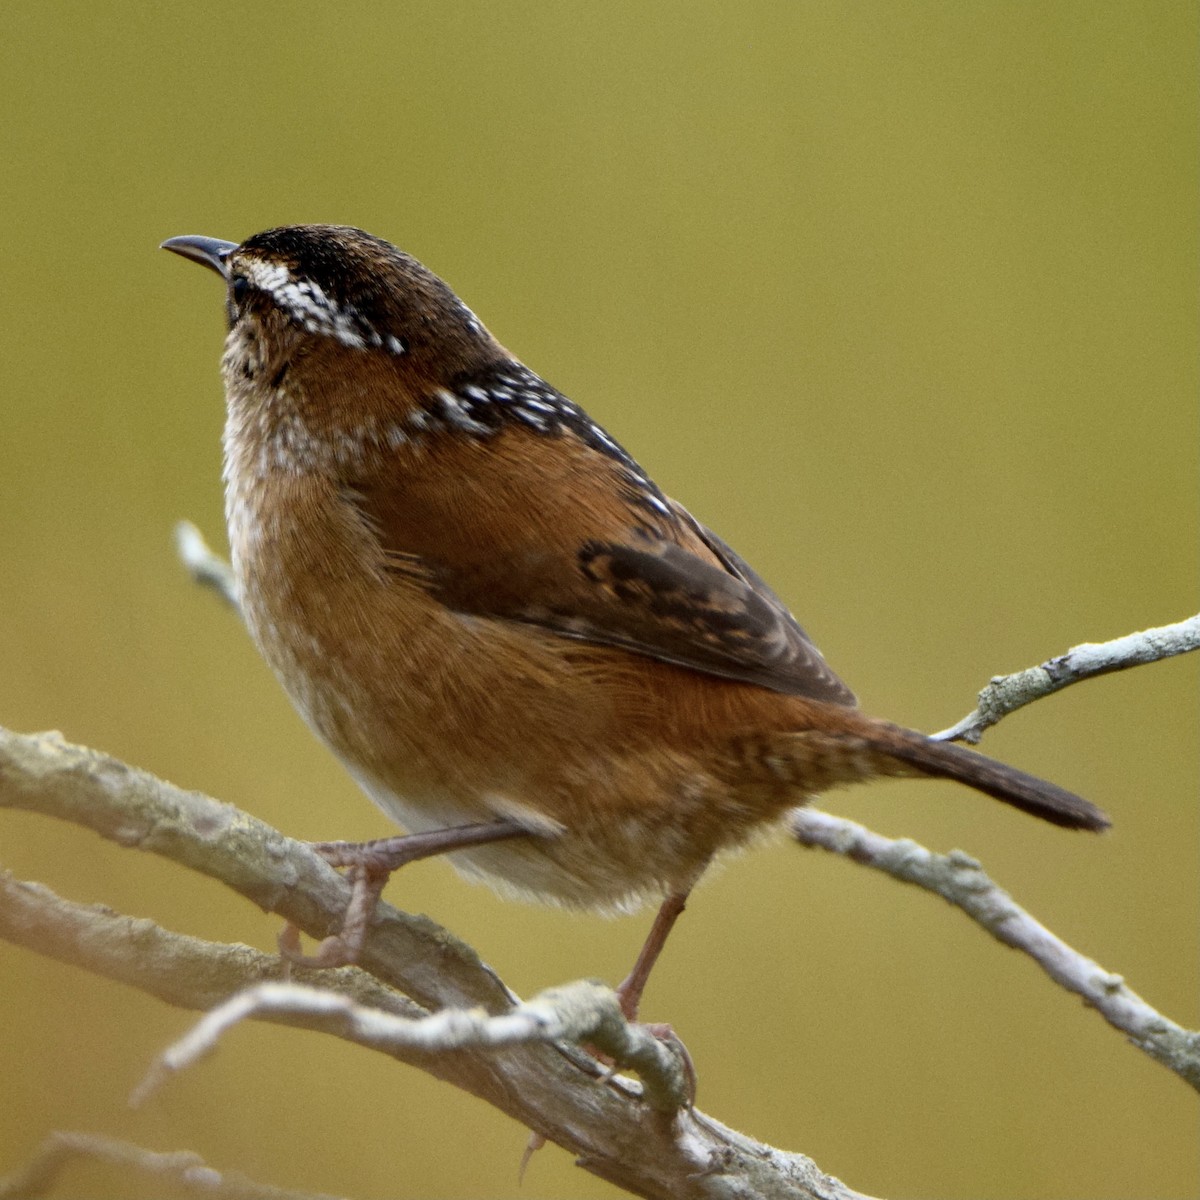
[524,652]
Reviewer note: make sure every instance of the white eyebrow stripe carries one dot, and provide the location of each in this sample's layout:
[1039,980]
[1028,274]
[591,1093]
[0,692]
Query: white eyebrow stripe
[306,303]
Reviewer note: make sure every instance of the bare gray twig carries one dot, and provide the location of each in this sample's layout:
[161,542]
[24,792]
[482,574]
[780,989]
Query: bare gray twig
[958,878]
[186,1172]
[1006,693]
[205,566]
[576,1012]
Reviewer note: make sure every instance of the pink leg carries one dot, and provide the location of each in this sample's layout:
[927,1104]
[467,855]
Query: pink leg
[630,991]
[371,865]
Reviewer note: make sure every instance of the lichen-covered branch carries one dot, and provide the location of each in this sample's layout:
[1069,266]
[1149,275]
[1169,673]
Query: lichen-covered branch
[44,773]
[180,970]
[552,1088]
[1006,693]
[958,878]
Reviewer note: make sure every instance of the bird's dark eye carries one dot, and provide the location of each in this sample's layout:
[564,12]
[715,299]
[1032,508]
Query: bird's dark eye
[239,285]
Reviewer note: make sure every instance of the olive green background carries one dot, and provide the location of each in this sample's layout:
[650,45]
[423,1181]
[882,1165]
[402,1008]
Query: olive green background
[900,298]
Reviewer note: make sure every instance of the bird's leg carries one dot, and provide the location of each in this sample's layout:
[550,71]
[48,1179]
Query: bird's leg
[370,866]
[630,991]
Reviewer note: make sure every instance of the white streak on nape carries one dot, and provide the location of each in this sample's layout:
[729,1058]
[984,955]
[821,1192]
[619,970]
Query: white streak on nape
[473,322]
[535,420]
[542,406]
[476,393]
[456,414]
[395,344]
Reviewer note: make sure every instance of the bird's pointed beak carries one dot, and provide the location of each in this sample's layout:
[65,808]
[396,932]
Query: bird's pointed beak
[209,252]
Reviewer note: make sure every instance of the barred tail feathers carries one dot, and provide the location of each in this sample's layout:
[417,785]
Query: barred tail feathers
[858,748]
[945,760]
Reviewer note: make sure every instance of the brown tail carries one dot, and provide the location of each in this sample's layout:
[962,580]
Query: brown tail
[944,760]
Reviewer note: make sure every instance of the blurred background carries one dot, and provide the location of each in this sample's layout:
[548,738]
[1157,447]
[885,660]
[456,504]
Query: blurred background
[900,298]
